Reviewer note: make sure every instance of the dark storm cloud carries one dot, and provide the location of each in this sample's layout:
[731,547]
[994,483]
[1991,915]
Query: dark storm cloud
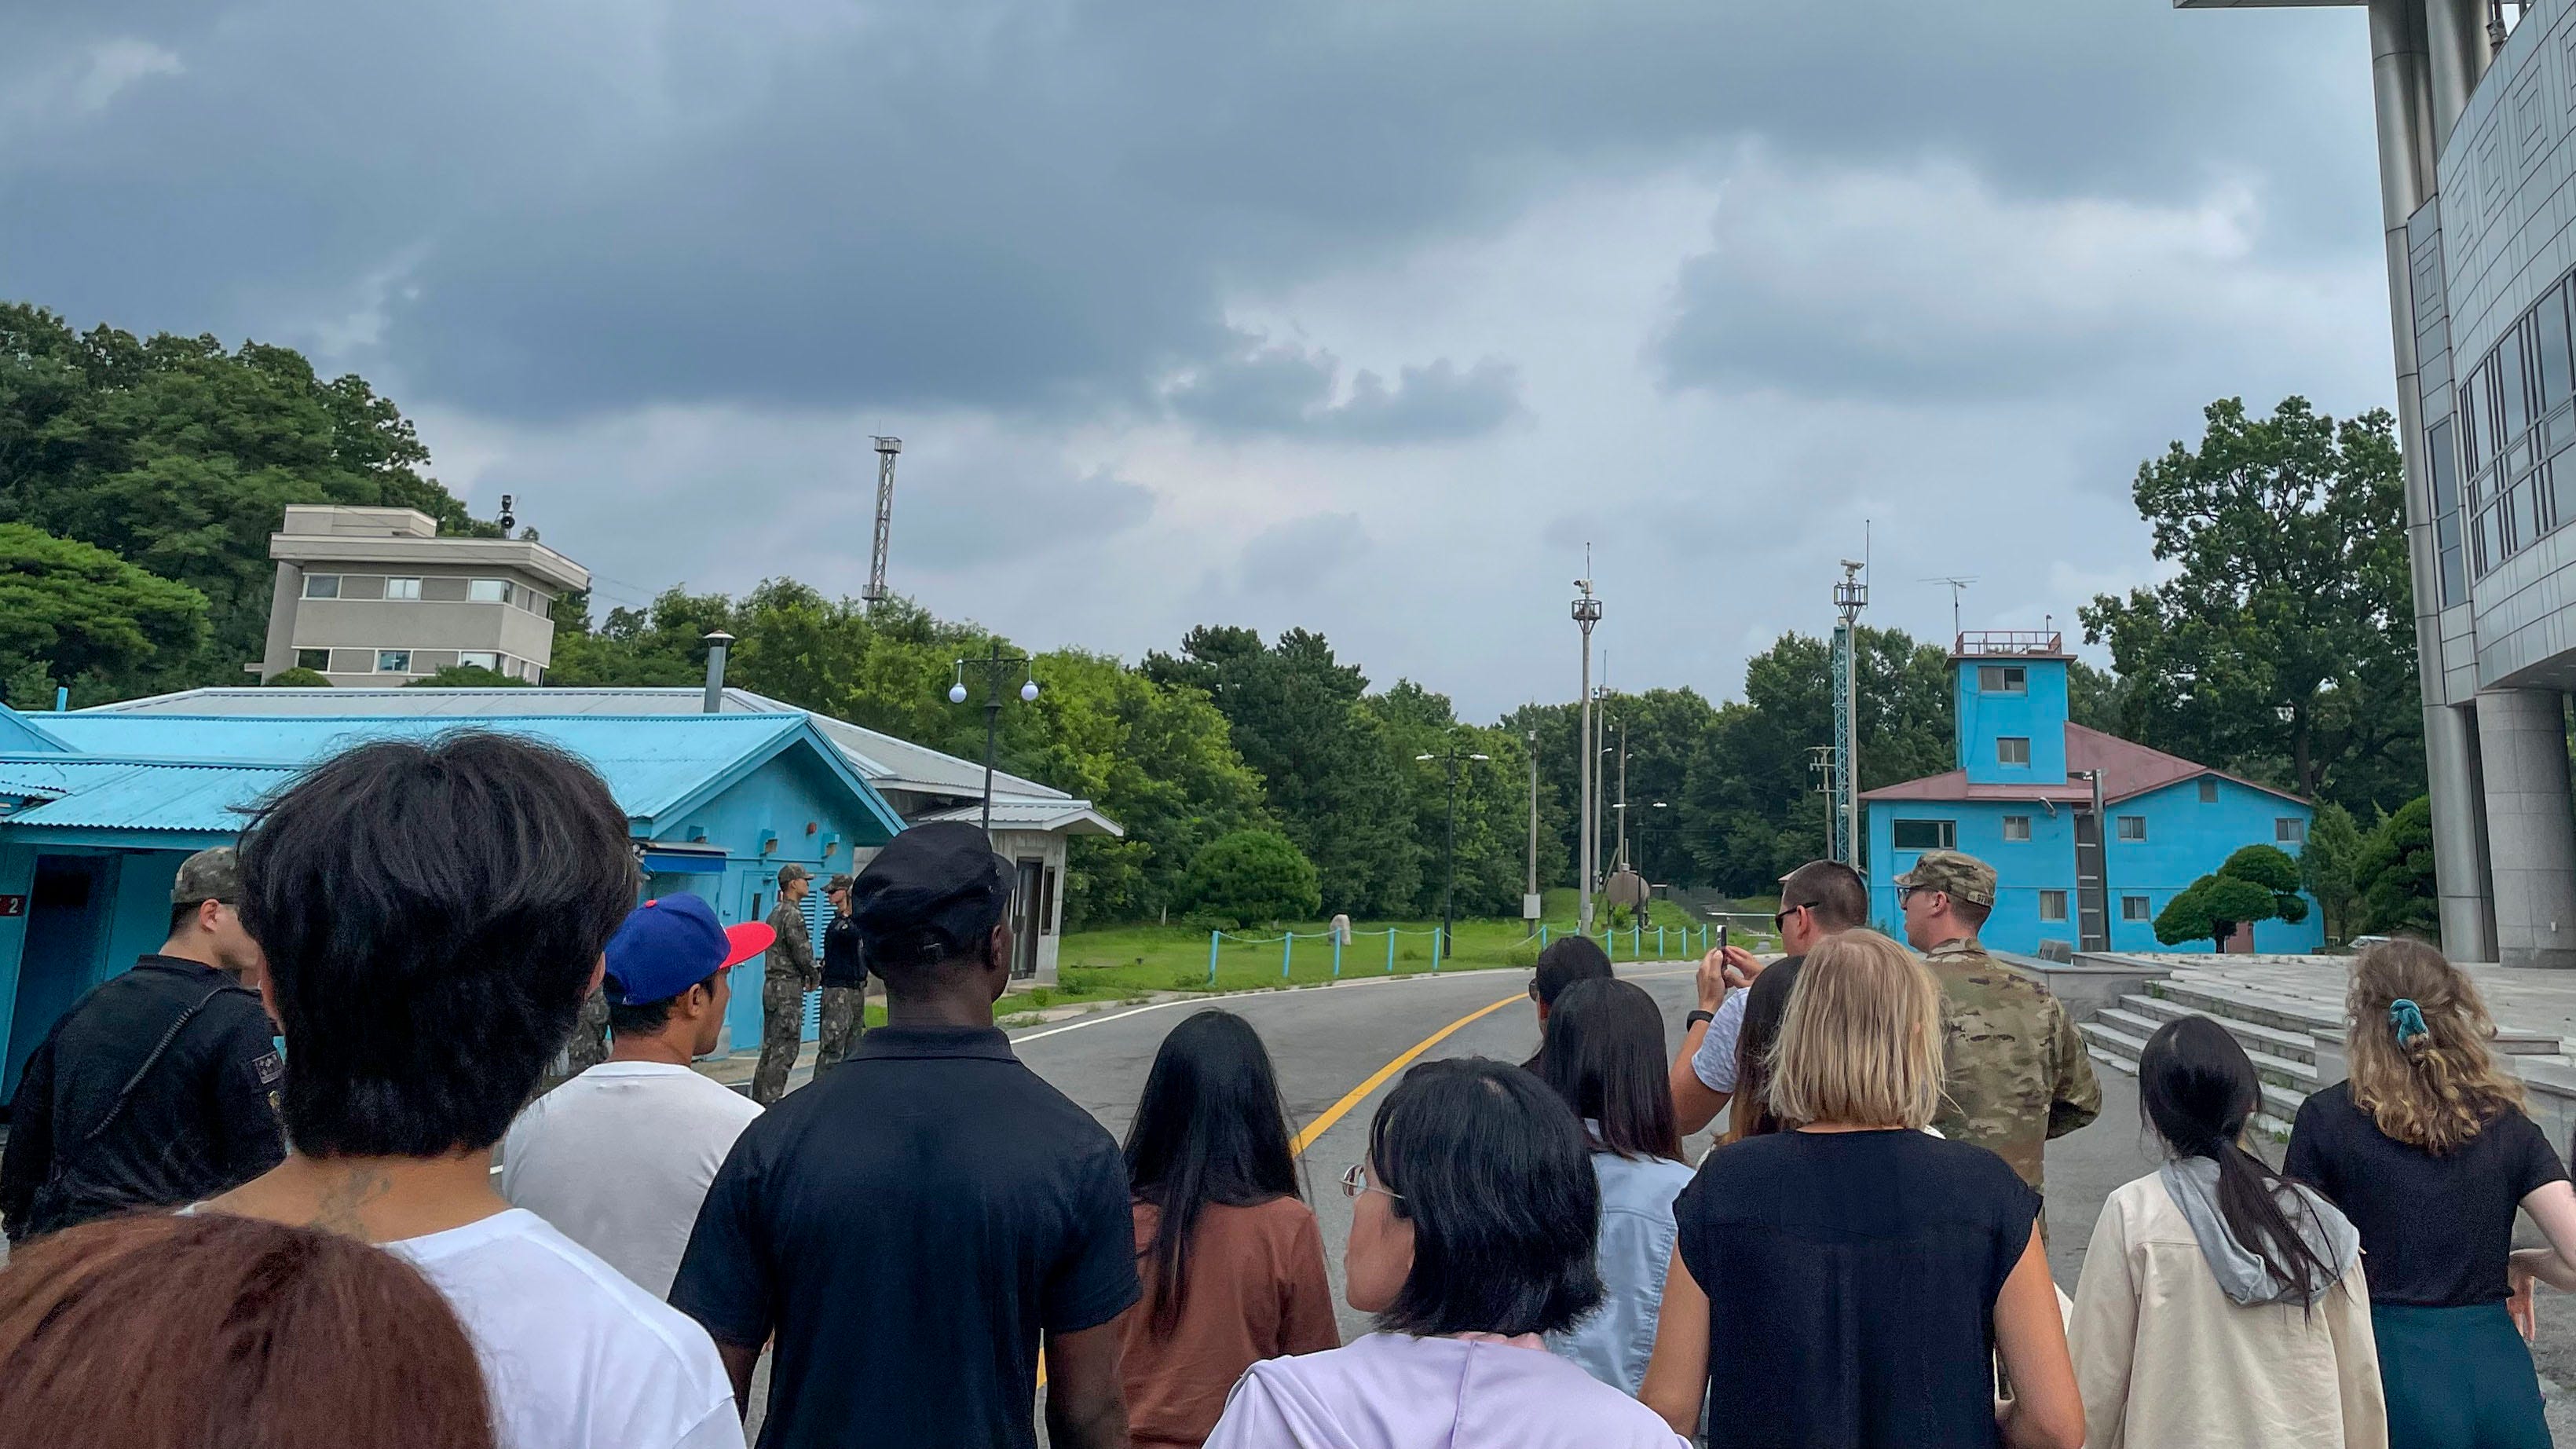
[1273,388]
[1037,208]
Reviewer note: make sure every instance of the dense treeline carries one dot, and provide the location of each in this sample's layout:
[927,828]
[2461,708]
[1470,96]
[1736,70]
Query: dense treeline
[140,478]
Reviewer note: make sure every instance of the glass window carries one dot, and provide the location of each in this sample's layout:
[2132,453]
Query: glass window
[402,588]
[393,661]
[489,591]
[2446,469]
[2475,449]
[1924,834]
[2134,908]
[321,586]
[318,660]
[2557,383]
[479,659]
[2016,827]
[2513,396]
[2052,905]
[2290,830]
[2012,750]
[2208,792]
[2003,679]
[2132,827]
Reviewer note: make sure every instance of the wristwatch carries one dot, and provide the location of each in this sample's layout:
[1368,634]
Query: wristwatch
[1696,1017]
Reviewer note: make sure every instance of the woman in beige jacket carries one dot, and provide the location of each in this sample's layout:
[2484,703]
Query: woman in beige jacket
[2220,1305]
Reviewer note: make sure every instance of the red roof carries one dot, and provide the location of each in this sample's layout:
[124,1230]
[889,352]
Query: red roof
[2128,770]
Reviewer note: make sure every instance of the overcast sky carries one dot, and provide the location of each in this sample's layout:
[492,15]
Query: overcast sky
[1362,316]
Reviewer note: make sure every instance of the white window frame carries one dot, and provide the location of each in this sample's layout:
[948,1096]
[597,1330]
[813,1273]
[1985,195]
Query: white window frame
[2057,899]
[475,591]
[2121,832]
[322,668]
[1945,834]
[310,592]
[2007,679]
[491,659]
[403,668]
[2145,908]
[2004,751]
[402,589]
[2016,829]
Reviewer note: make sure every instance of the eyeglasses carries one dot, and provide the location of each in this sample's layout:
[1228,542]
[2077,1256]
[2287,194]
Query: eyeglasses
[1355,1181]
[1780,917]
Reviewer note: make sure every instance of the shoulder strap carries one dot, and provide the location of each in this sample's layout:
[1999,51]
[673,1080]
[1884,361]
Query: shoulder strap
[116,1108]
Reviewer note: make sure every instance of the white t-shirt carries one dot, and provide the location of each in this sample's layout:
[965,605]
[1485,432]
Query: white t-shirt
[619,1159]
[575,1357]
[1714,1062]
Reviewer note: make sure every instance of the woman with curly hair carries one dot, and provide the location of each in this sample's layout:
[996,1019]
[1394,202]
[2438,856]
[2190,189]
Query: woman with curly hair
[2427,1151]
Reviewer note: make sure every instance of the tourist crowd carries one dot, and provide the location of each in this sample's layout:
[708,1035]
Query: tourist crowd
[223,1238]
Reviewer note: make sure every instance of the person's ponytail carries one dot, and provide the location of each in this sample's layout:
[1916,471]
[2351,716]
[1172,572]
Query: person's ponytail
[2199,1088]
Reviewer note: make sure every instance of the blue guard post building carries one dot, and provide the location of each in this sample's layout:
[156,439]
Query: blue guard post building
[2023,800]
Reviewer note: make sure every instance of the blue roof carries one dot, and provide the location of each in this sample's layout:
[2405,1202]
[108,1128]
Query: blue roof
[70,793]
[654,765]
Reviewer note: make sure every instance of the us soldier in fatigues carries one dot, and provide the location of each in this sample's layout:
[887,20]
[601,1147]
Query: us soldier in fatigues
[2015,1070]
[845,981]
[787,975]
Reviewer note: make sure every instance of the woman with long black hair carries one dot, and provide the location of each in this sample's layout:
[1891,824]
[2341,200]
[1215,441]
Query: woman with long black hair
[1605,1056]
[1232,1260]
[2221,1305]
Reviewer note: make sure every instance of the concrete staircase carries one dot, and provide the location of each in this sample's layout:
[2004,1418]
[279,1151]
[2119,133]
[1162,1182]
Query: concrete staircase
[2291,1024]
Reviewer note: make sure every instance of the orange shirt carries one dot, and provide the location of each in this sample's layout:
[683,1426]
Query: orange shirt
[1257,1290]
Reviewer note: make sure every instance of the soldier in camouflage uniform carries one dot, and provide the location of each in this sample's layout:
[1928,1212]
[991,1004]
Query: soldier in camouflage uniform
[2015,1070]
[787,975]
[589,1044]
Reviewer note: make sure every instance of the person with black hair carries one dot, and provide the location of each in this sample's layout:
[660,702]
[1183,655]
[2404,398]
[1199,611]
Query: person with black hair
[160,1085]
[2221,1304]
[913,1227]
[1565,961]
[1473,1222]
[1605,1057]
[620,1156]
[433,914]
[1232,1260]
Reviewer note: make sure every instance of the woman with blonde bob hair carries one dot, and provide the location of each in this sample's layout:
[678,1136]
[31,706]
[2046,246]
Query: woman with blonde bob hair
[2426,1149]
[1863,1274]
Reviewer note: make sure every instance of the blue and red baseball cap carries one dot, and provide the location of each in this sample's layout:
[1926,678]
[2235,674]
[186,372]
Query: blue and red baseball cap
[672,943]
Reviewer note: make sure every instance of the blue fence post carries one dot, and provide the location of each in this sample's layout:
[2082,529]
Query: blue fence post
[1435,950]
[1212,939]
[1636,940]
[1659,944]
[1390,950]
[1287,948]
[1337,954]
[1542,935]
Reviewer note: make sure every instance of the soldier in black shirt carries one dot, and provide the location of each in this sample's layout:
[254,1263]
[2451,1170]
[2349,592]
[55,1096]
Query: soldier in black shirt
[159,1087]
[845,981]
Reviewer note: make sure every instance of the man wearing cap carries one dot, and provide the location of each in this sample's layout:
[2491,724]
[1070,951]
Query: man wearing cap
[786,976]
[160,1086]
[2015,1070]
[911,1229]
[619,1158]
[845,980]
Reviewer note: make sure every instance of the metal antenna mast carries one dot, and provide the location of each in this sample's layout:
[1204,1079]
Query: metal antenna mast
[886,450]
[1843,812]
[1957,587]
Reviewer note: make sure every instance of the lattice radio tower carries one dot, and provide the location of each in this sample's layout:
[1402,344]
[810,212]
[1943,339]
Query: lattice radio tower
[887,448]
[1843,797]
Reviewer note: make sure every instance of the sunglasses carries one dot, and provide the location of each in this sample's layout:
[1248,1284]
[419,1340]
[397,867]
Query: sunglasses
[1780,917]
[1355,1181]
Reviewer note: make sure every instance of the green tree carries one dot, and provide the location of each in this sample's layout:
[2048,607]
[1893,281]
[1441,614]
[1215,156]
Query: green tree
[2283,646]
[298,678]
[465,676]
[180,456]
[2394,874]
[2327,863]
[2256,883]
[88,618]
[1251,877]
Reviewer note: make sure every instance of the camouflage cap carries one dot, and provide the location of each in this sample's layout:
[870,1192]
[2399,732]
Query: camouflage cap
[835,884]
[208,875]
[793,871]
[1952,873]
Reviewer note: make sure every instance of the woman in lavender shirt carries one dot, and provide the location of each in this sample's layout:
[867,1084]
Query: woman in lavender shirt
[1472,1234]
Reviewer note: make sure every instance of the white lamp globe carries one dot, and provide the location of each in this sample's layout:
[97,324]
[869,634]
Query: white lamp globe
[1029,692]
[957,694]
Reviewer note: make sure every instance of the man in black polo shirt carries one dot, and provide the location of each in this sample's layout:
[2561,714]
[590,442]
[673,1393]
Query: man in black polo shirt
[159,1087]
[914,1224]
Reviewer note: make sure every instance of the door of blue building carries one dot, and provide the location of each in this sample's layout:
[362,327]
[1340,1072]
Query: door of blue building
[2092,900]
[66,929]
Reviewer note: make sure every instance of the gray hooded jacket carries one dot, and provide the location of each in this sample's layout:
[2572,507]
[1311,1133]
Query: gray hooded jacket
[2192,1183]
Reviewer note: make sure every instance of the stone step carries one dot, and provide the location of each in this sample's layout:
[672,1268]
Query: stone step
[2118,1048]
[2296,1046]
[2271,1066]
[2232,1003]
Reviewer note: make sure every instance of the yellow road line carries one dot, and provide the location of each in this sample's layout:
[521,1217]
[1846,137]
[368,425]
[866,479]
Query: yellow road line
[1377,1079]
[1356,1095]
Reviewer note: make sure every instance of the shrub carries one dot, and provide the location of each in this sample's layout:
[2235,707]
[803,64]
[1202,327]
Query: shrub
[2394,873]
[1252,876]
[2257,883]
[298,678]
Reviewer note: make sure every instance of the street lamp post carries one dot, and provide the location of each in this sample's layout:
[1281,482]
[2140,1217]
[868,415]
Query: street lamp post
[1530,911]
[1449,863]
[1587,612]
[993,665]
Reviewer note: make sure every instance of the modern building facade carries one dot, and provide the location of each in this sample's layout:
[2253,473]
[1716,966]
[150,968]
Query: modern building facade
[372,596]
[98,809]
[2476,199]
[1033,824]
[2024,800]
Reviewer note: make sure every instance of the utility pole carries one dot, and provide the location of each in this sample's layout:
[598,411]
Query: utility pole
[1530,907]
[1449,856]
[1622,855]
[876,590]
[1843,813]
[1587,612]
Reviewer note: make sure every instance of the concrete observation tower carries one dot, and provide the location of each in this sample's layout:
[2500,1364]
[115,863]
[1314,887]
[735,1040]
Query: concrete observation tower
[2477,185]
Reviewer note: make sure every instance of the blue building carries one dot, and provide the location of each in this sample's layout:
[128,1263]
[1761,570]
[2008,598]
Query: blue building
[2023,801]
[98,809]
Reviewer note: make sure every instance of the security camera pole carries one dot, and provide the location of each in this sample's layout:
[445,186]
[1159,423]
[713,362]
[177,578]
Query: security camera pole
[1587,612]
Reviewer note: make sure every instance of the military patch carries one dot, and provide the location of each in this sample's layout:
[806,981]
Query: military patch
[271,1068]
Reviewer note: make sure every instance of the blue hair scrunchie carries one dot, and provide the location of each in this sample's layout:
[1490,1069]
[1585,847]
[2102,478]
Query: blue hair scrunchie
[2407,1020]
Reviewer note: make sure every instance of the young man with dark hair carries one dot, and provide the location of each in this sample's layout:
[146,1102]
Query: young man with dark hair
[1819,899]
[2014,1070]
[1566,960]
[432,915]
[911,1228]
[159,1086]
[619,1158]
